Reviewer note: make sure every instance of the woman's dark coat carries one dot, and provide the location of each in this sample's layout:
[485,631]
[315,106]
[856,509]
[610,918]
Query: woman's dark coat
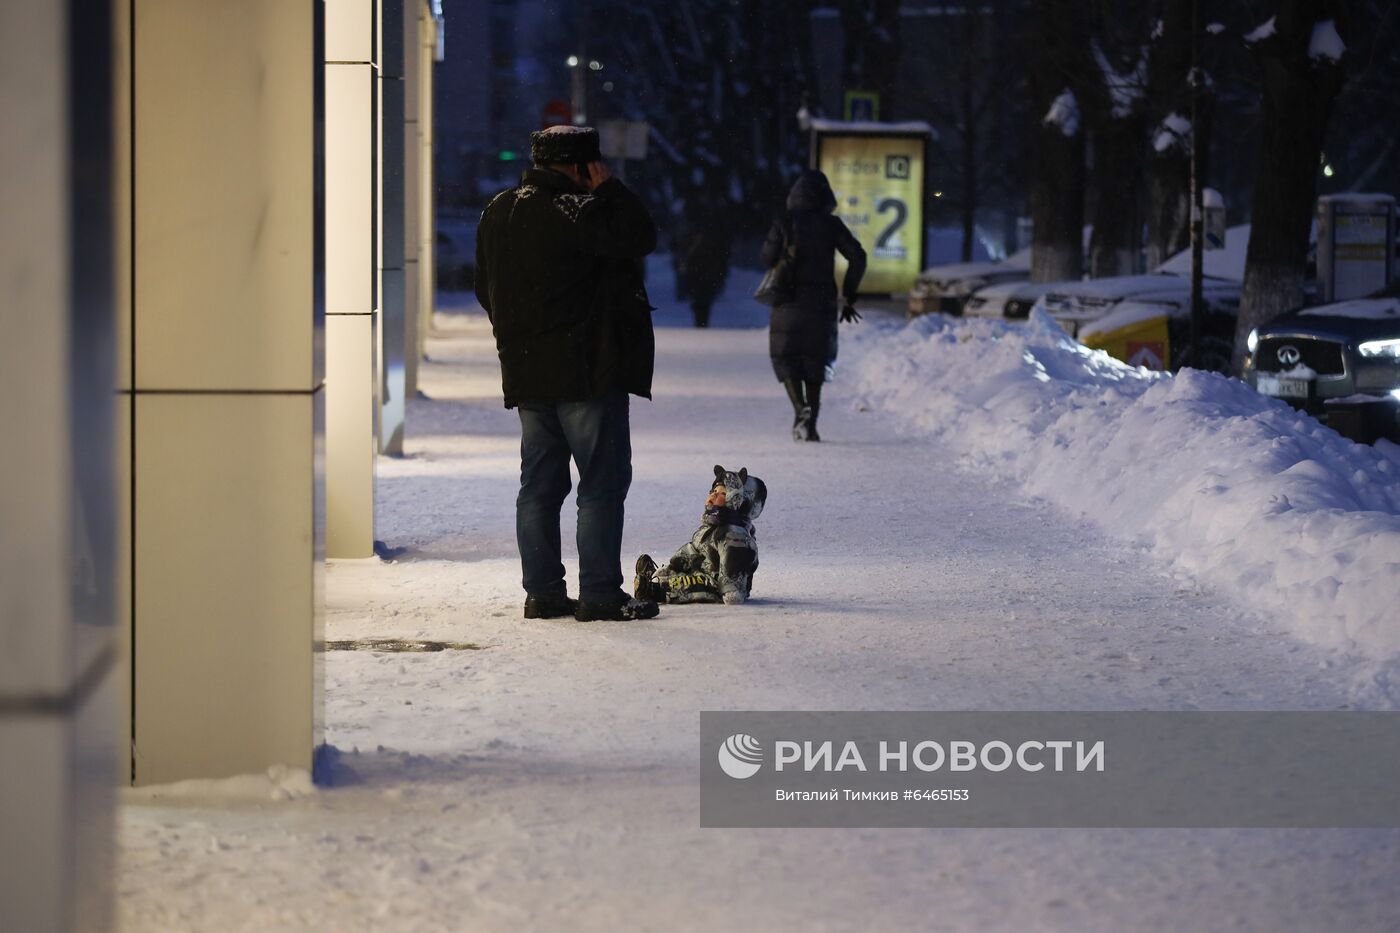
[559,272]
[802,332]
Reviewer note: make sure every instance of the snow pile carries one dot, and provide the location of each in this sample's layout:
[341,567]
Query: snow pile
[1233,488]
[1174,131]
[1064,113]
[1325,42]
[1261,32]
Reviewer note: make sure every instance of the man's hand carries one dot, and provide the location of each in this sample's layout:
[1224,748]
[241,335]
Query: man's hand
[597,174]
[849,314]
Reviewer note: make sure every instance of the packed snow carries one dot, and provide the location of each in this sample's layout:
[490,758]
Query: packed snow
[1227,262]
[913,560]
[1235,489]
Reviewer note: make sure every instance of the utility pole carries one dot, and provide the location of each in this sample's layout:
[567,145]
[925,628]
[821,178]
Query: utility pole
[1197,83]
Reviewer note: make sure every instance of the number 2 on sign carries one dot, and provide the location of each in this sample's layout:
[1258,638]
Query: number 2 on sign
[901,214]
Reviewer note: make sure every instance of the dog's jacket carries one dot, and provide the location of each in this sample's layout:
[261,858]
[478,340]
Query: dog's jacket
[717,564]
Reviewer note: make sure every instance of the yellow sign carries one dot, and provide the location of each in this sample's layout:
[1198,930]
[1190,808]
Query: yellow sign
[879,185]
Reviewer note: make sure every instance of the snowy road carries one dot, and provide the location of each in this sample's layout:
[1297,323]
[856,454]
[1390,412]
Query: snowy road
[548,780]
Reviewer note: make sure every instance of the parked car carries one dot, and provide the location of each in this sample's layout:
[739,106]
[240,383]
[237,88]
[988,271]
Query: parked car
[1345,350]
[1156,334]
[1011,300]
[947,287]
[1077,303]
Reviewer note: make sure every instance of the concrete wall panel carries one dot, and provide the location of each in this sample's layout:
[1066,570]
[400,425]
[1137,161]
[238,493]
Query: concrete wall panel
[225,584]
[223,194]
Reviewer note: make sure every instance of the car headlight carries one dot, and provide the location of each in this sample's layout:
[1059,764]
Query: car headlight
[1251,343]
[1386,349]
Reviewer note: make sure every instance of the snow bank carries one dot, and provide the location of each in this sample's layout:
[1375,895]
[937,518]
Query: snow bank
[1233,488]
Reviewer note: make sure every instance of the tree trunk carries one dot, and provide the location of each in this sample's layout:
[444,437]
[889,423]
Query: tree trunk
[1116,242]
[1169,158]
[1057,158]
[1116,100]
[1298,93]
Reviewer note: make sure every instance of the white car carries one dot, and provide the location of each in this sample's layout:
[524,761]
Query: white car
[1012,300]
[1076,303]
[947,287]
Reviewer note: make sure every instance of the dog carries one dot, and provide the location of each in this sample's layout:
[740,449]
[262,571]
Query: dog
[718,563]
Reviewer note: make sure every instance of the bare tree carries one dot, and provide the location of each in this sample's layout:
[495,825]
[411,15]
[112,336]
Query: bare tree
[1168,167]
[1299,51]
[1058,57]
[1115,105]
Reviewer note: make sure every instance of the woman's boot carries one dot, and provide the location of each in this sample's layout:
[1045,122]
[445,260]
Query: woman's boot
[801,413]
[814,407]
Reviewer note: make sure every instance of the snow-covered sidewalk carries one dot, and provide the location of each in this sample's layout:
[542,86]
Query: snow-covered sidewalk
[548,781]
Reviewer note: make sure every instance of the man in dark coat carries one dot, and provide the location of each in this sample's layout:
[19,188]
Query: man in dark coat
[802,329]
[559,272]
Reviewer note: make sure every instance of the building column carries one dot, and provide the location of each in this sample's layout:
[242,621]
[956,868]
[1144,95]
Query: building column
[225,373]
[391,226]
[59,649]
[429,24]
[351,276]
[413,12]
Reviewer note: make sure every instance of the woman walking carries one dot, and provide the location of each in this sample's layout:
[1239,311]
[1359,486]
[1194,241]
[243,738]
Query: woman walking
[802,330]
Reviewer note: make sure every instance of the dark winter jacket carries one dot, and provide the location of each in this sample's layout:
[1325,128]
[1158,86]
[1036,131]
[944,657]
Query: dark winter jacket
[559,272]
[806,326]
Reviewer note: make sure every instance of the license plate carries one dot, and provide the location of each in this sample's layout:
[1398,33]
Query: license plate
[1282,386]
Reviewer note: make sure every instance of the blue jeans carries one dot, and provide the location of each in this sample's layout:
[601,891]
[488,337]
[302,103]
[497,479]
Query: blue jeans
[597,434]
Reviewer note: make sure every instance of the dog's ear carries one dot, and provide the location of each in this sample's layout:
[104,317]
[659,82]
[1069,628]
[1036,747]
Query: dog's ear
[719,471]
[743,475]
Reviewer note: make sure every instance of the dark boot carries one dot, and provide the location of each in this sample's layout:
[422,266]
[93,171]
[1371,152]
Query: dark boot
[643,586]
[814,405]
[797,395]
[701,315]
[623,608]
[549,607]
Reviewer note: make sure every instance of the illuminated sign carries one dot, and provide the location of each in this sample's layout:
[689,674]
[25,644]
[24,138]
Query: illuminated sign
[878,178]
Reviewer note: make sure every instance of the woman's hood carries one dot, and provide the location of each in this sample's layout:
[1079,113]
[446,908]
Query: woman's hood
[811,192]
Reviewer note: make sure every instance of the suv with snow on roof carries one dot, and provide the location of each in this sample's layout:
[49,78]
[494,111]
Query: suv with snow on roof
[1345,350]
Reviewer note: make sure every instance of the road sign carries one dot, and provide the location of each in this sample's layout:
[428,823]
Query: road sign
[862,106]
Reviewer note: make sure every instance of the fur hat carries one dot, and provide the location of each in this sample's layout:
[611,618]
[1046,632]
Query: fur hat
[564,144]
